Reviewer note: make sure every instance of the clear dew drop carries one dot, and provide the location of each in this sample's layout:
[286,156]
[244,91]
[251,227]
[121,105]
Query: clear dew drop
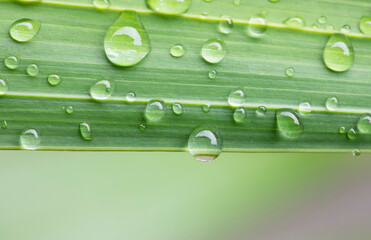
[261,111]
[213,50]
[102,90]
[314,26]
[332,103]
[352,134]
[205,143]
[257,26]
[364,124]
[4,124]
[338,54]
[172,7]
[177,108]
[212,74]
[225,25]
[356,152]
[101,4]
[206,108]
[345,29]
[236,98]
[290,72]
[131,97]
[85,131]
[142,127]
[305,108]
[365,25]
[239,115]
[32,70]
[342,130]
[177,50]
[289,123]
[127,42]
[155,110]
[69,110]
[3,86]
[295,22]
[30,139]
[330,27]
[11,62]
[54,79]
[322,20]
[24,30]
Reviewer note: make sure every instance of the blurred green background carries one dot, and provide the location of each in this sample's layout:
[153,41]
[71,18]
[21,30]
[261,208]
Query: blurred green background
[124,195]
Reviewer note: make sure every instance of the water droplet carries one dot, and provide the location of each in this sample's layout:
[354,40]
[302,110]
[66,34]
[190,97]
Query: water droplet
[274,1]
[290,72]
[54,79]
[30,139]
[32,70]
[352,134]
[213,50]
[177,108]
[24,30]
[69,110]
[332,103]
[304,108]
[85,131]
[155,110]
[237,2]
[322,20]
[356,152]
[365,25]
[261,111]
[225,25]
[205,143]
[11,62]
[177,50]
[204,14]
[169,6]
[142,127]
[212,74]
[101,4]
[338,54]
[3,86]
[314,26]
[342,130]
[257,26]
[346,28]
[330,27]
[239,115]
[4,125]
[127,42]
[294,22]
[102,90]
[236,98]
[206,108]
[131,97]
[364,124]
[289,123]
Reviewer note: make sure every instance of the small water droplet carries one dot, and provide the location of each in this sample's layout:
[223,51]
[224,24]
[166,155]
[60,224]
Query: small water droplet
[24,30]
[11,62]
[352,134]
[30,139]
[342,130]
[330,27]
[101,4]
[177,108]
[365,25]
[177,50]
[169,6]
[290,72]
[205,143]
[32,70]
[332,103]
[257,26]
[102,90]
[261,111]
[364,124]
[85,131]
[4,125]
[212,74]
[239,115]
[305,108]
[346,28]
[237,2]
[127,42]
[322,20]
[69,110]
[314,26]
[225,25]
[289,123]
[236,98]
[131,97]
[204,14]
[356,152]
[213,50]
[3,86]
[54,79]
[155,110]
[295,22]
[206,108]
[142,127]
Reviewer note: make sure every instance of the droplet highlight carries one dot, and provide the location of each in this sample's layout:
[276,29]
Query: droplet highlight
[205,143]
[24,30]
[213,50]
[338,54]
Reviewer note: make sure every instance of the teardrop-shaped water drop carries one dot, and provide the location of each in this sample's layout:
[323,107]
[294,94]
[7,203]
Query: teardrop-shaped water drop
[4,124]
[205,143]
[3,86]
[102,90]
[352,134]
[236,98]
[126,42]
[24,30]
[11,62]
[155,110]
[54,79]
[85,131]
[338,54]
[295,22]
[332,103]
[225,25]
[177,50]
[239,115]
[213,50]
[30,139]
[289,123]
[365,25]
[177,108]
[32,70]
[364,124]
[169,6]
[101,4]
[257,26]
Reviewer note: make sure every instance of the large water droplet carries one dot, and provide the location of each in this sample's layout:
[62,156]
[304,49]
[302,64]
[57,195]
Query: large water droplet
[101,4]
[213,50]
[365,25]
[11,62]
[32,70]
[24,30]
[177,108]
[85,131]
[102,90]
[295,21]
[205,143]
[54,79]
[30,139]
[177,50]
[289,123]
[364,124]
[169,6]
[225,25]
[338,54]
[3,86]
[155,110]
[236,98]
[332,103]
[352,134]
[257,26]
[126,42]
[239,115]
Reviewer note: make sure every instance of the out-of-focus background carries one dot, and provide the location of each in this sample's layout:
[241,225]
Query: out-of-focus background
[160,196]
